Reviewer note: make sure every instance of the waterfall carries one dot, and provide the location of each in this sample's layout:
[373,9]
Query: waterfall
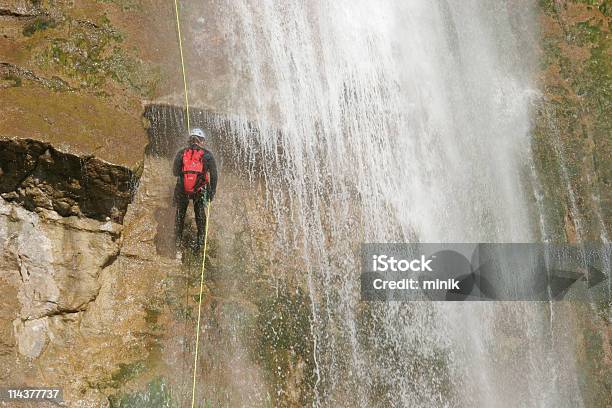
[395,121]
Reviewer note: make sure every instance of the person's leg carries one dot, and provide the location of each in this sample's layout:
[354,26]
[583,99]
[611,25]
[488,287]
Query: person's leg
[181,208]
[199,208]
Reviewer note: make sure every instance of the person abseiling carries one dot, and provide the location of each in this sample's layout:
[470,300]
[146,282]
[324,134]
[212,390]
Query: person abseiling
[197,180]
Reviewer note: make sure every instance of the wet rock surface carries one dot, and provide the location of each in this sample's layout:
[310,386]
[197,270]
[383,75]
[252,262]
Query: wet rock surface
[571,135]
[106,310]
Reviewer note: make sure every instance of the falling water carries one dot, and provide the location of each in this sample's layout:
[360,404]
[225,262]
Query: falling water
[395,121]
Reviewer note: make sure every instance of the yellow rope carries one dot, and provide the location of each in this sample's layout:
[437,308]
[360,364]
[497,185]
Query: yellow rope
[180,41]
[195,359]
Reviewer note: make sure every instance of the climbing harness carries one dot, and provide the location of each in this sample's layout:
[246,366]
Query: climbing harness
[197,342]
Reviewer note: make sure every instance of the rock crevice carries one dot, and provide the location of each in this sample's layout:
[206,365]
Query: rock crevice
[18,74]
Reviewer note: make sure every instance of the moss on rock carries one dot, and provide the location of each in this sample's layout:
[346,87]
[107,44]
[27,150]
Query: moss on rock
[572,145]
[155,394]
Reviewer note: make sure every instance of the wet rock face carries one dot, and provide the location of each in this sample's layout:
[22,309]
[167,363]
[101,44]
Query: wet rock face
[571,144]
[38,176]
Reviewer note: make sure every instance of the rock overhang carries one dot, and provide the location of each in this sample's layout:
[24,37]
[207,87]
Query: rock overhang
[39,176]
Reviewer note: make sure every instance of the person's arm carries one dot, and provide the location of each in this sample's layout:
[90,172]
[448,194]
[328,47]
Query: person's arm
[211,166]
[178,164]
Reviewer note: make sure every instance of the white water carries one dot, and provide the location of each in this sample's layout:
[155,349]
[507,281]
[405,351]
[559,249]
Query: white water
[400,121]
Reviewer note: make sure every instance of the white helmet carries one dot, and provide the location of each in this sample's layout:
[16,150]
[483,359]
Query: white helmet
[199,133]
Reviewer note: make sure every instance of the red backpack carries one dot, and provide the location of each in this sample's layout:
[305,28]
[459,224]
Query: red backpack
[195,176]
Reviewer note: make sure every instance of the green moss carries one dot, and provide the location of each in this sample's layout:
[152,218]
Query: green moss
[120,376]
[576,122]
[585,32]
[39,24]
[127,372]
[157,394]
[606,8]
[93,55]
[547,5]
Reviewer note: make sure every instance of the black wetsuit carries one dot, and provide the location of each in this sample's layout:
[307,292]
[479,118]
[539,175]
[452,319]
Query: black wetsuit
[199,200]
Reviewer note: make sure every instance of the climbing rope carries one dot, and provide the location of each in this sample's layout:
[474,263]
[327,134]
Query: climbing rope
[180,41]
[195,359]
[197,342]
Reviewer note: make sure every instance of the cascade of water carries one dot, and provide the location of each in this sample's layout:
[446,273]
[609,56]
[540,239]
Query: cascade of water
[396,121]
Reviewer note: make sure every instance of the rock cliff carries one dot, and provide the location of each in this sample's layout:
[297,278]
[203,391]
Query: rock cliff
[91,297]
